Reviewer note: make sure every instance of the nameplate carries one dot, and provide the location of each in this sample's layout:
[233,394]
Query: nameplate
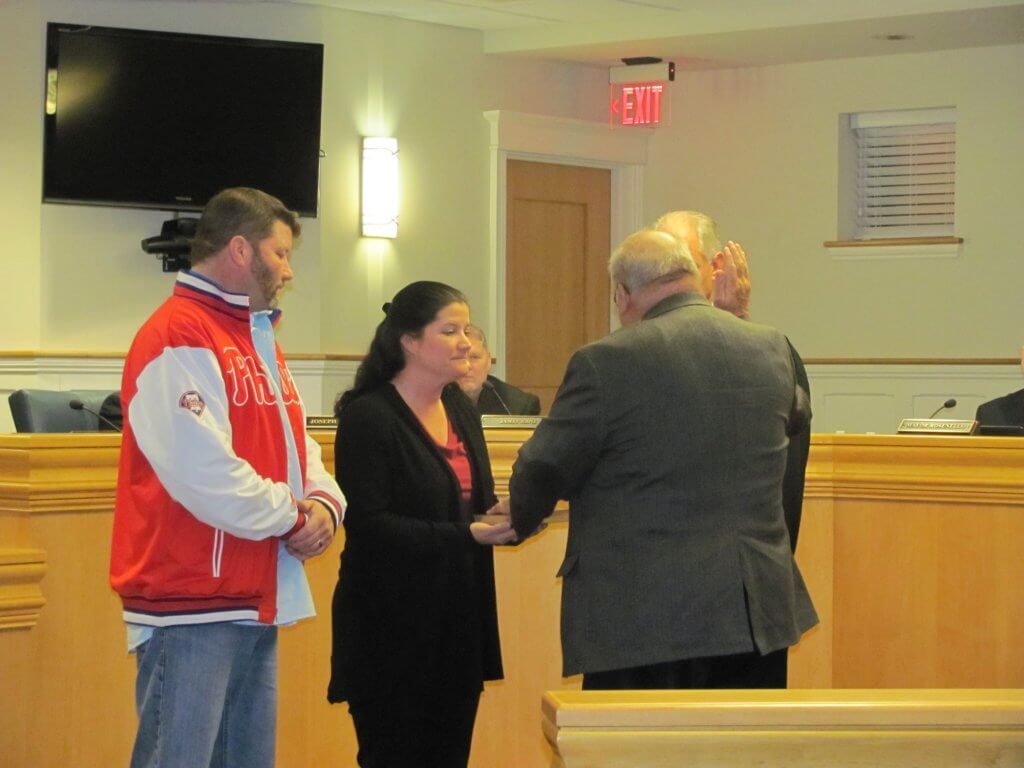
[937,427]
[502,421]
[321,422]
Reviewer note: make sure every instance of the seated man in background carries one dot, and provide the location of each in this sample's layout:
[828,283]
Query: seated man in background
[1006,410]
[489,393]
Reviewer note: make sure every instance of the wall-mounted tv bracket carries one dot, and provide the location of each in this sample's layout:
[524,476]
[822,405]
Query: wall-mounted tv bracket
[173,244]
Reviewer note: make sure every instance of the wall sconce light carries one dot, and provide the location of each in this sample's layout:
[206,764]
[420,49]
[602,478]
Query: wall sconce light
[380,187]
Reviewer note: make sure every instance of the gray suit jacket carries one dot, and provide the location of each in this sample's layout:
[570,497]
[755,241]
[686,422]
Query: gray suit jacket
[669,440]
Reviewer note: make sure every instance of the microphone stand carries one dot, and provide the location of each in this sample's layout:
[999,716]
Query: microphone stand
[951,403]
[78,405]
[492,388]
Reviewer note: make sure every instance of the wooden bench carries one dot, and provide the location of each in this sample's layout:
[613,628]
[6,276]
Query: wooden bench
[895,728]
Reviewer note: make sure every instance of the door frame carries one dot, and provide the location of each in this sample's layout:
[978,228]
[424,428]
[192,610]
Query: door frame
[562,141]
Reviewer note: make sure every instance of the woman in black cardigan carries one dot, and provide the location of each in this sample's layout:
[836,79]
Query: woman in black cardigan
[414,616]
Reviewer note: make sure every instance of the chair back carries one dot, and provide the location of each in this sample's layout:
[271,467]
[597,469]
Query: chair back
[48,410]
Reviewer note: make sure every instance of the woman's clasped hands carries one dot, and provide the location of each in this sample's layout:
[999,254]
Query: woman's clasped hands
[494,532]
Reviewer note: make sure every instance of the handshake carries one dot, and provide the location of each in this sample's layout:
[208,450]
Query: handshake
[495,527]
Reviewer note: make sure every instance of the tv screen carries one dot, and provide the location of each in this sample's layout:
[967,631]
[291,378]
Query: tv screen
[163,120]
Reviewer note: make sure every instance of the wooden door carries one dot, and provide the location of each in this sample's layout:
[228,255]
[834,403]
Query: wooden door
[556,274]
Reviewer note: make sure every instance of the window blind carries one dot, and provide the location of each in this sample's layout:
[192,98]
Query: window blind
[906,173]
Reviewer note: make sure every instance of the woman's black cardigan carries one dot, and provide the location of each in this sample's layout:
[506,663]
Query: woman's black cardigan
[414,607]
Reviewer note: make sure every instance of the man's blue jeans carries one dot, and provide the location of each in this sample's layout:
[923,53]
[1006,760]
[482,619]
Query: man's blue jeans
[206,695]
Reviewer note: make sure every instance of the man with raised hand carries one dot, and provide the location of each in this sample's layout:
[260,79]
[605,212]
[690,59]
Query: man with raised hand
[725,280]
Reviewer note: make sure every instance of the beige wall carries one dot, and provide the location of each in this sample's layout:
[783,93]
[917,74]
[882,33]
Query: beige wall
[760,155]
[21,142]
[84,283]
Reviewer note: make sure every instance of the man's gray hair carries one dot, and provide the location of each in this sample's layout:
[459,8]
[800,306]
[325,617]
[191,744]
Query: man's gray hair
[650,255]
[702,224]
[476,333]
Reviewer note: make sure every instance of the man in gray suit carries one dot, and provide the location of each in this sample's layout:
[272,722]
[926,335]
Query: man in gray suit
[669,438]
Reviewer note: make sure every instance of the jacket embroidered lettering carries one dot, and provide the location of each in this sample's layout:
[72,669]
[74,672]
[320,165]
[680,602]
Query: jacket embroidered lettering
[289,392]
[247,379]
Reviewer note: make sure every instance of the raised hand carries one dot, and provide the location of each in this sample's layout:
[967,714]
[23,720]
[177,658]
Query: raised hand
[731,280]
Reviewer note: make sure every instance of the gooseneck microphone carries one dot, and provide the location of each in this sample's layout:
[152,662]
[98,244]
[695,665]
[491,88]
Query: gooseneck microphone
[77,405]
[951,403]
[491,387]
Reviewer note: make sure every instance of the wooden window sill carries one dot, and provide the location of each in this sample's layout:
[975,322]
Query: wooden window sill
[895,248]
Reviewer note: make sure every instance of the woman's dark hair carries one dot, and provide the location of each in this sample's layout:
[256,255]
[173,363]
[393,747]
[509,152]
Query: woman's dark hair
[413,308]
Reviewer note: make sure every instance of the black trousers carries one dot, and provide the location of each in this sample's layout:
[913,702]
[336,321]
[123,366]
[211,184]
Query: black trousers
[410,732]
[741,670]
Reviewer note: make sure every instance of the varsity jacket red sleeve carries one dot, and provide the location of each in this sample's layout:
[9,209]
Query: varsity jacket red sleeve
[320,486]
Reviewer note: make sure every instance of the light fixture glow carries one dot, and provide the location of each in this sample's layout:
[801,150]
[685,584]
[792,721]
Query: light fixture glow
[380,187]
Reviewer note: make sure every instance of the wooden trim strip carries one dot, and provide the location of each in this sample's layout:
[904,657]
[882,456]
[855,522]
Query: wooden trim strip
[325,357]
[979,471]
[897,241]
[698,713]
[911,361]
[27,354]
[21,596]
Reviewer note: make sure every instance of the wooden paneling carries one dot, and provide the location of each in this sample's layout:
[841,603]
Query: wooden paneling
[940,584]
[71,667]
[910,548]
[810,662]
[311,732]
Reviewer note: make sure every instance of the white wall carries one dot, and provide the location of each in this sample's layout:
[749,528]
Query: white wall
[757,149]
[82,282]
[874,398]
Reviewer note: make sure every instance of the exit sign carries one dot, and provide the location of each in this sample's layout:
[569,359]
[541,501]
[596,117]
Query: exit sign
[636,103]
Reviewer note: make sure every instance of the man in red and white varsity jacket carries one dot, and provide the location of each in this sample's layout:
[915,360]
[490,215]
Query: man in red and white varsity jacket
[221,494]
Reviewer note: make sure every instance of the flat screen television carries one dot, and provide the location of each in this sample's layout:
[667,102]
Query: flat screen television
[164,120]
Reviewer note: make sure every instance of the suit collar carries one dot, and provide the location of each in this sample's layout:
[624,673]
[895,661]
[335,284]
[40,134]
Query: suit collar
[675,301]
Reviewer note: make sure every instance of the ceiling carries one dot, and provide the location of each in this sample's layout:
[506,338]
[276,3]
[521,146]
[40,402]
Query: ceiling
[704,34]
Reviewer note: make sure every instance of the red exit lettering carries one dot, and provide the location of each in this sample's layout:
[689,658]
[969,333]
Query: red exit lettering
[638,104]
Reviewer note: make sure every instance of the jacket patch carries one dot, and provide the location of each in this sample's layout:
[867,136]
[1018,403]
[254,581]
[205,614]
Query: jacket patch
[192,401]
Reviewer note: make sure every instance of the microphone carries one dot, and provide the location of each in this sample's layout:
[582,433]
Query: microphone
[77,405]
[951,403]
[504,405]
